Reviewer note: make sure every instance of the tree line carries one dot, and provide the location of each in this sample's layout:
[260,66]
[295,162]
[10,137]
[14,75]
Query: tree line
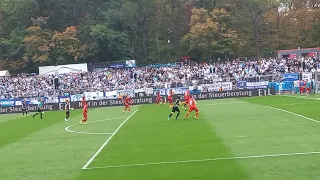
[52,32]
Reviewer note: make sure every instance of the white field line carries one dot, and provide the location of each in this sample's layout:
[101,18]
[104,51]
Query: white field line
[292,113]
[79,132]
[291,104]
[107,141]
[303,97]
[205,160]
[217,104]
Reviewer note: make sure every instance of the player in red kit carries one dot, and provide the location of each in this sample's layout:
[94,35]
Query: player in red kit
[83,101]
[193,107]
[85,112]
[130,101]
[126,102]
[170,97]
[186,99]
[159,100]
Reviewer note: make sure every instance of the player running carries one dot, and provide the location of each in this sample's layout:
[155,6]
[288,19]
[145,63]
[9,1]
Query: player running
[67,110]
[126,102]
[170,97]
[187,99]
[39,109]
[85,113]
[193,107]
[175,109]
[24,108]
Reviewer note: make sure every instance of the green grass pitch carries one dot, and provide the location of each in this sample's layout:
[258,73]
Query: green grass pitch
[262,138]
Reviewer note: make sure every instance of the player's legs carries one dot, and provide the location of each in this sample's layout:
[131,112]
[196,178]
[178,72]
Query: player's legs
[67,116]
[197,113]
[185,105]
[301,90]
[170,102]
[39,112]
[85,118]
[190,110]
[175,109]
[178,113]
[159,101]
[126,107]
[24,111]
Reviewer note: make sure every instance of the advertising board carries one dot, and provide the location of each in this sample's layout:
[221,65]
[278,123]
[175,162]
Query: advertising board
[143,100]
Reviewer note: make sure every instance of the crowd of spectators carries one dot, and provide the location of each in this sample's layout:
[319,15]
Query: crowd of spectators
[25,85]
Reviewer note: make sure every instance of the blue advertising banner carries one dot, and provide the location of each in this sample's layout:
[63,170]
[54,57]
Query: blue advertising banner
[286,86]
[283,86]
[18,101]
[7,103]
[241,84]
[290,77]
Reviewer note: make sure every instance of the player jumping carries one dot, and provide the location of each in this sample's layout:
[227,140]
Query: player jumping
[85,113]
[67,110]
[170,97]
[193,107]
[175,109]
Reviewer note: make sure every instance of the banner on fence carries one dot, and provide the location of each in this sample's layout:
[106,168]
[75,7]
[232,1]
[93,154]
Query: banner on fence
[256,85]
[307,76]
[290,77]
[165,92]
[226,86]
[142,100]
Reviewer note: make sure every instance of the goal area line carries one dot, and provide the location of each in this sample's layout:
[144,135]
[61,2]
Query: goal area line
[207,160]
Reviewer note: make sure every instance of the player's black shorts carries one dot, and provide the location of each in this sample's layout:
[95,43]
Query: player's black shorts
[24,109]
[39,110]
[68,113]
[175,109]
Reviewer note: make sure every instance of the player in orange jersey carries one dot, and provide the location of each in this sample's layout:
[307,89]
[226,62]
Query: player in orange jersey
[85,112]
[130,101]
[193,107]
[186,99]
[126,102]
[170,97]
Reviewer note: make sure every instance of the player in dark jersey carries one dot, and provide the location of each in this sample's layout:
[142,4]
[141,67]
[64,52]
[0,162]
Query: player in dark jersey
[67,110]
[39,109]
[175,108]
[24,108]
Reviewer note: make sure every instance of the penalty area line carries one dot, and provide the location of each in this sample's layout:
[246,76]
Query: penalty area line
[206,160]
[292,113]
[107,141]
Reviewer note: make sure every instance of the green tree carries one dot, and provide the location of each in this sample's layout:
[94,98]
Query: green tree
[211,33]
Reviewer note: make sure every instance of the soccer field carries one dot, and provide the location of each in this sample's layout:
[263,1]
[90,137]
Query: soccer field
[263,138]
